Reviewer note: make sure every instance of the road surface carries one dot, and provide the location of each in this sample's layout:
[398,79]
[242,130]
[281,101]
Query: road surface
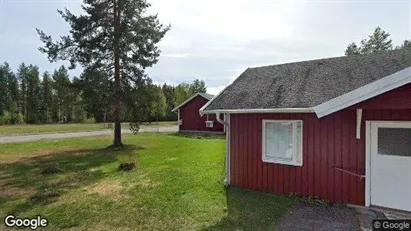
[54,136]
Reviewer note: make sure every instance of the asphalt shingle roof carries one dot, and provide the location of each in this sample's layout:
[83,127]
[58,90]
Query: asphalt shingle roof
[308,83]
[206,95]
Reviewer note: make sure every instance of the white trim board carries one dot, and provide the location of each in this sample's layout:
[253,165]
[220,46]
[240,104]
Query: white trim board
[228,142]
[363,93]
[189,99]
[259,110]
[208,103]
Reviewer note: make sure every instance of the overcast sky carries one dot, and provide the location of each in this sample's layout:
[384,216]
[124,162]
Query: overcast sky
[216,40]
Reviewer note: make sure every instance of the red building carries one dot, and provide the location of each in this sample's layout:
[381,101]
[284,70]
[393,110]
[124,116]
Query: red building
[338,129]
[190,120]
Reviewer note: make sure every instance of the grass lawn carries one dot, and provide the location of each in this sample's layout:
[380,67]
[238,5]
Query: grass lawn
[176,186]
[10,130]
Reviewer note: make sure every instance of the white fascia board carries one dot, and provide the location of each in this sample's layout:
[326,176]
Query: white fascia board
[208,103]
[262,110]
[188,100]
[368,91]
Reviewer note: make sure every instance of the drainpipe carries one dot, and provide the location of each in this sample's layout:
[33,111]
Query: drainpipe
[227,155]
[217,115]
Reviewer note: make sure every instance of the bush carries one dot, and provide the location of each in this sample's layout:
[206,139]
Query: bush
[90,120]
[5,118]
[16,118]
[11,118]
[51,168]
[127,166]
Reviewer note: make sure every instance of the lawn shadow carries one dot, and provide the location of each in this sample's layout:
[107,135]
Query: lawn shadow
[198,135]
[249,210]
[22,180]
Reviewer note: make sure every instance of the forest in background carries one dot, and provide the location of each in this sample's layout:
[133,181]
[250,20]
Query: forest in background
[27,97]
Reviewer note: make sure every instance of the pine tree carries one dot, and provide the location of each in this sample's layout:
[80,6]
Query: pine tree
[33,100]
[378,41]
[47,98]
[197,86]
[114,36]
[22,77]
[61,85]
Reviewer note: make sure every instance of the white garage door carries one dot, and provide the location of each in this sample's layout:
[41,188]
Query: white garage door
[391,165]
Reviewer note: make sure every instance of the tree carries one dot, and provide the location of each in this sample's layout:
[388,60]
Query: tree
[198,86]
[378,41]
[22,76]
[5,94]
[96,93]
[158,105]
[33,95]
[114,36]
[168,92]
[181,93]
[47,98]
[61,86]
[352,49]
[406,44]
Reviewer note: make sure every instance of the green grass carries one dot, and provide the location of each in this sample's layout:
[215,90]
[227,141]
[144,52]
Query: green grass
[177,186]
[11,130]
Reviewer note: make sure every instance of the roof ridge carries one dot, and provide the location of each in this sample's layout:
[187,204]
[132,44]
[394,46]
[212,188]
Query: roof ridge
[376,54]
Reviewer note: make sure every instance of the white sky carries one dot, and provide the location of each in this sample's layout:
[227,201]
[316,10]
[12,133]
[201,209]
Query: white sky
[217,40]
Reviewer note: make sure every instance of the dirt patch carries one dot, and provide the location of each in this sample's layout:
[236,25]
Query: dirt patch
[110,189]
[145,183]
[13,192]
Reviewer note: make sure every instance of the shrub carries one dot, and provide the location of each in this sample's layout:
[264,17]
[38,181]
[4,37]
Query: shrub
[127,166]
[51,168]
[11,118]
[90,120]
[16,118]
[5,118]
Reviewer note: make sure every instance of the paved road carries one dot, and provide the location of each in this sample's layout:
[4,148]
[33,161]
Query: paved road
[53,136]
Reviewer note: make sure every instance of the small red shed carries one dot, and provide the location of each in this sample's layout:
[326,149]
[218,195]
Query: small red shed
[337,128]
[189,120]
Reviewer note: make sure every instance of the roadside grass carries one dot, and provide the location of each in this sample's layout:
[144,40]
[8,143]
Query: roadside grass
[177,185]
[12,130]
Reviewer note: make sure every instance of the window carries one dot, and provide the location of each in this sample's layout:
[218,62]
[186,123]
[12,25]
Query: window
[282,142]
[209,124]
[394,141]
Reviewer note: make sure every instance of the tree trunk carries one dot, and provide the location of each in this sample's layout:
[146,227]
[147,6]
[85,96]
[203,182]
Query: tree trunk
[117,125]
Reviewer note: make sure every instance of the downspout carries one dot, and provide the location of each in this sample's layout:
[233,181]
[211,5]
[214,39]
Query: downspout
[217,115]
[227,155]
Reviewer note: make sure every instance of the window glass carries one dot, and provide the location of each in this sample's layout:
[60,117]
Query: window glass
[283,142]
[394,141]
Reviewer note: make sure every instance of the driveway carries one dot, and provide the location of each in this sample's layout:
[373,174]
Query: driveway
[308,217]
[53,136]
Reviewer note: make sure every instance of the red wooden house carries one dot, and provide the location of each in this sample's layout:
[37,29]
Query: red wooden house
[189,120]
[337,128]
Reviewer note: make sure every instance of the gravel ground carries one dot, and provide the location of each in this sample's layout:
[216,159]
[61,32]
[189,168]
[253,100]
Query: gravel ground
[309,217]
[53,136]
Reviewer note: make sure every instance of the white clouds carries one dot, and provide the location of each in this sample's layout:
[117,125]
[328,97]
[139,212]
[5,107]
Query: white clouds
[214,90]
[216,40]
[238,19]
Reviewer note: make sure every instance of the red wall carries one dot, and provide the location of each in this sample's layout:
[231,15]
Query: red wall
[192,120]
[327,142]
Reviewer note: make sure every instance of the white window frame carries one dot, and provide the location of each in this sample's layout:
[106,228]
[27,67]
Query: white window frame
[294,162]
[209,124]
